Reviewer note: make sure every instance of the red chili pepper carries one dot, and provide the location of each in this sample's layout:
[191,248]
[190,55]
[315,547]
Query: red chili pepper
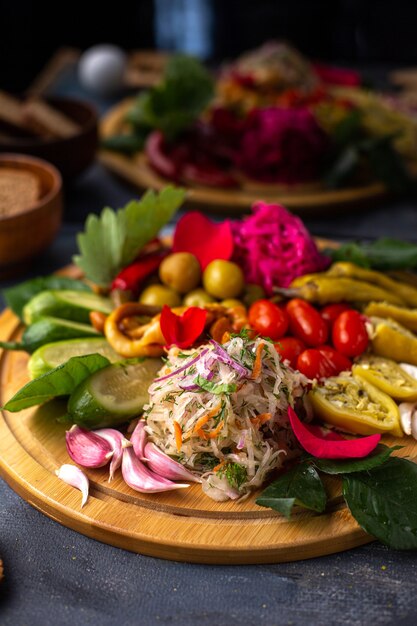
[182,330]
[132,276]
[324,448]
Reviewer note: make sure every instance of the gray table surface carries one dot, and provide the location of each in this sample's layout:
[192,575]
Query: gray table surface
[56,576]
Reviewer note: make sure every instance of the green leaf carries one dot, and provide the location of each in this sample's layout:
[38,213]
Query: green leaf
[177,101]
[384,502]
[301,486]
[216,388]
[379,456]
[16,297]
[113,239]
[382,254]
[127,144]
[60,381]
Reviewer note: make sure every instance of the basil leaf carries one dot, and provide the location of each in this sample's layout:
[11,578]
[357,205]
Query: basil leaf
[16,297]
[384,502]
[379,456]
[216,388]
[60,381]
[301,486]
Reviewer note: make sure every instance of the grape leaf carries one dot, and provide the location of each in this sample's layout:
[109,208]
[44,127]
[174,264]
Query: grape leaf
[60,381]
[113,239]
[384,502]
[301,486]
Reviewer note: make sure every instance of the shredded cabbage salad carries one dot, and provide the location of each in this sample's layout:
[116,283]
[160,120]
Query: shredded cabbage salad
[221,411]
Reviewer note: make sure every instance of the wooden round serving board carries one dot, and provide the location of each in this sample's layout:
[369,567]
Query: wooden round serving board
[185,525]
[302,199]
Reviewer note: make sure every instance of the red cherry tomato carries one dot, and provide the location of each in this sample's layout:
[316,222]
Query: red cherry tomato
[314,364]
[339,361]
[332,311]
[306,323]
[349,334]
[289,348]
[268,319]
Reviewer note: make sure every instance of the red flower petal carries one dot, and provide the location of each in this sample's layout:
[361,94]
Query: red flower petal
[182,330]
[205,239]
[323,433]
[331,449]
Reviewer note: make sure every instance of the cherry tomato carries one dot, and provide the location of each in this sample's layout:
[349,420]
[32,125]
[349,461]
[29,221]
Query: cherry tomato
[306,323]
[332,311]
[339,361]
[315,364]
[268,319]
[349,334]
[289,348]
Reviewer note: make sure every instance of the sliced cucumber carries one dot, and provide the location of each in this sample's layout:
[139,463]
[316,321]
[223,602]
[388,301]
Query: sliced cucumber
[114,394]
[66,304]
[51,355]
[49,329]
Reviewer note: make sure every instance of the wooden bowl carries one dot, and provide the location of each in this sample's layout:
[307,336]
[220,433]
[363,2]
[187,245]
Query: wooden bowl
[72,155]
[25,234]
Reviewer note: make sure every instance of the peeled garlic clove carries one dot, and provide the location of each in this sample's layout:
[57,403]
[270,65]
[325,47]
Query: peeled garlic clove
[411,370]
[76,478]
[117,442]
[140,478]
[86,448]
[162,464]
[406,412]
[138,439]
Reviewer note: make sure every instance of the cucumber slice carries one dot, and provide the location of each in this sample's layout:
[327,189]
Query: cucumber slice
[51,355]
[67,304]
[114,394]
[50,329]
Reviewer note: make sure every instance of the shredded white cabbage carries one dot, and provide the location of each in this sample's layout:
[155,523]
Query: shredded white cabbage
[231,428]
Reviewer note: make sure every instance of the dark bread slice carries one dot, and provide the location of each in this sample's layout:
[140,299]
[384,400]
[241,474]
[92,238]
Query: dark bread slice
[19,190]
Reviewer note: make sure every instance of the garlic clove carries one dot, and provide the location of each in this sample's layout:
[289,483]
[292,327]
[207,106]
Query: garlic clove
[140,478]
[411,370]
[74,477]
[87,448]
[118,443]
[406,412]
[138,439]
[164,466]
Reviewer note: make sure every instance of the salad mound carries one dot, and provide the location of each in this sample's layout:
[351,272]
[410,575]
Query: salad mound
[222,411]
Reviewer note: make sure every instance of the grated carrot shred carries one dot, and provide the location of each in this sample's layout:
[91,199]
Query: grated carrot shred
[219,466]
[205,418]
[213,433]
[261,419]
[258,361]
[178,435]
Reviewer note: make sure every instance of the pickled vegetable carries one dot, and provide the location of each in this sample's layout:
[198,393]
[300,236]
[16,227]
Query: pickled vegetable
[198,297]
[355,405]
[159,295]
[323,289]
[180,271]
[393,341]
[388,376]
[402,315]
[223,279]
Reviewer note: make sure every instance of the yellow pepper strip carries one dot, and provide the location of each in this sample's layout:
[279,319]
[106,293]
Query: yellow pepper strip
[388,376]
[326,289]
[350,270]
[354,405]
[393,341]
[405,317]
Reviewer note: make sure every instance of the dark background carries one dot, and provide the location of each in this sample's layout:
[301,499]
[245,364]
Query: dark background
[353,32]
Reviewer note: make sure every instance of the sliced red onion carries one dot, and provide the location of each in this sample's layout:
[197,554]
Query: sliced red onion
[188,384]
[141,479]
[118,442]
[224,357]
[86,448]
[138,440]
[184,367]
[164,466]
[76,478]
[242,441]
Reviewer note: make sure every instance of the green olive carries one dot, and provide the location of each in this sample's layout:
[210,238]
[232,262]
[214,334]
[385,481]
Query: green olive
[197,297]
[253,293]
[223,279]
[180,271]
[159,295]
[230,303]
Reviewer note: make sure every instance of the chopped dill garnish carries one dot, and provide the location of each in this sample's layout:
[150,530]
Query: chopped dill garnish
[235,473]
